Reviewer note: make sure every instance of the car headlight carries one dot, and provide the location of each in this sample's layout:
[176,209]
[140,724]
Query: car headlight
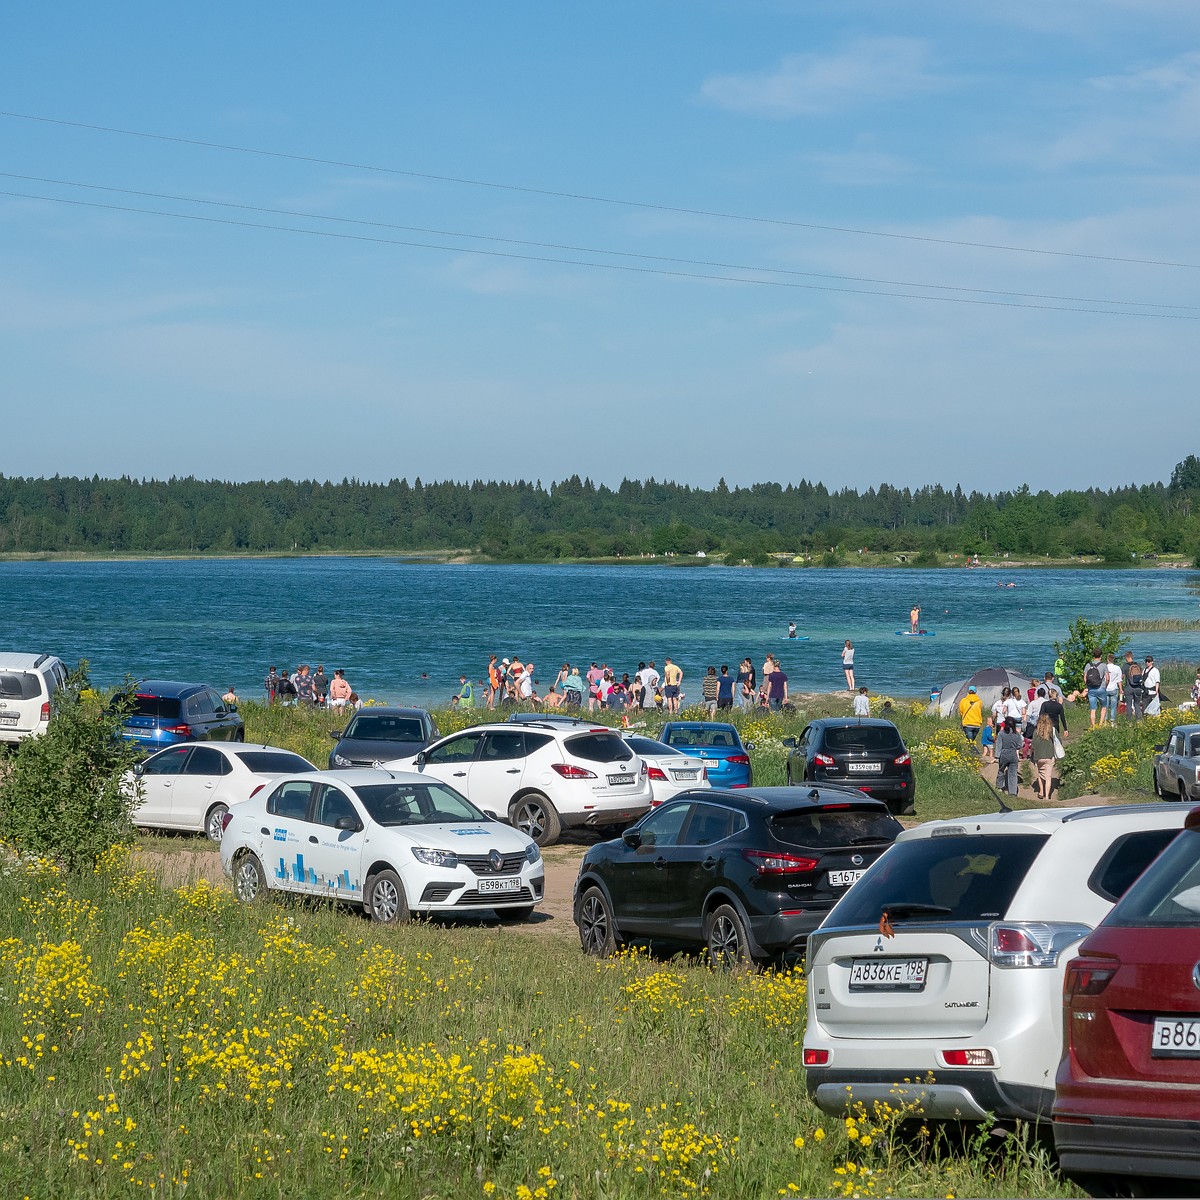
[339,761]
[435,858]
[533,853]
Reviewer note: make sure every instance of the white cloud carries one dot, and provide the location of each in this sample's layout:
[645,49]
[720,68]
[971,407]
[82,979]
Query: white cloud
[869,70]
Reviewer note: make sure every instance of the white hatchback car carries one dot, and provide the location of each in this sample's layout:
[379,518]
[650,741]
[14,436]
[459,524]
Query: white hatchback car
[541,777]
[27,686]
[670,770]
[191,786]
[936,981]
[393,842]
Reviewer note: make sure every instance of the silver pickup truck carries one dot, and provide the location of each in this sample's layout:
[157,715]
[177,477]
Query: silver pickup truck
[1177,765]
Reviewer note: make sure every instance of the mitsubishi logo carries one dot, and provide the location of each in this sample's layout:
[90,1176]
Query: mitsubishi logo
[495,860]
[878,945]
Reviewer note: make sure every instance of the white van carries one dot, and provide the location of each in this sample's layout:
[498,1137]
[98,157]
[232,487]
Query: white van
[27,686]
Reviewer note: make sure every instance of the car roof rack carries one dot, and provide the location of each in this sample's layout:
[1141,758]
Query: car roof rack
[1101,810]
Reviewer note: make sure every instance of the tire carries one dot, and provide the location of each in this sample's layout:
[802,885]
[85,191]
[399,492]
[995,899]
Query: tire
[1183,796]
[789,773]
[726,938]
[249,879]
[514,916]
[1157,789]
[536,817]
[384,900]
[597,930]
[212,822]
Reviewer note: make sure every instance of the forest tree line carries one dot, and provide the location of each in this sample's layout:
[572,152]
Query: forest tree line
[576,518]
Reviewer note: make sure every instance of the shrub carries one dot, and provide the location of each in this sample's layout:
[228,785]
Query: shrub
[1084,638]
[62,797]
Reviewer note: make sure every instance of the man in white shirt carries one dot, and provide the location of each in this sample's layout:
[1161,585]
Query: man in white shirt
[862,706]
[649,678]
[1114,680]
[1150,681]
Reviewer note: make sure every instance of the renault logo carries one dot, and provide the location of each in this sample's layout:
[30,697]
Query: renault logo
[495,860]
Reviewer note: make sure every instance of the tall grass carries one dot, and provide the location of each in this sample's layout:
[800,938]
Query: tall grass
[161,1042]
[1158,625]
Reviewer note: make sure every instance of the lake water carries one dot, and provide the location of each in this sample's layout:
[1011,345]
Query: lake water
[405,631]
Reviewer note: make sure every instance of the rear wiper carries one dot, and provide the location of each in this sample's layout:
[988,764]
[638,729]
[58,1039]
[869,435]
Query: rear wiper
[874,839]
[904,908]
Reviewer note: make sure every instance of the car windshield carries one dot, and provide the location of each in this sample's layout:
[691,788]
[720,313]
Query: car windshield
[599,747]
[649,747]
[395,804]
[862,737]
[721,735]
[947,878]
[274,762]
[822,828]
[1169,892]
[385,727]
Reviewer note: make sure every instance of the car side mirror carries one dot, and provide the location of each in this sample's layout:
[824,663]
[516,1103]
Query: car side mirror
[748,745]
[790,741]
[138,770]
[336,734]
[632,838]
[348,824]
[420,759]
[1159,749]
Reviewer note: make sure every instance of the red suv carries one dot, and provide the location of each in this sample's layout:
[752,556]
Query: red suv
[1127,1110]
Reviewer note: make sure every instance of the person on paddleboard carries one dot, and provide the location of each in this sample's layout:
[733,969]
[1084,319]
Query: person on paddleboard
[914,618]
[791,629]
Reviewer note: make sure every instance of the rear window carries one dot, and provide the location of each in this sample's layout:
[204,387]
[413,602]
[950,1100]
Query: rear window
[162,708]
[722,736]
[1126,859]
[274,762]
[823,829]
[1167,894]
[862,737]
[378,727]
[598,747]
[645,745]
[939,879]
[19,686]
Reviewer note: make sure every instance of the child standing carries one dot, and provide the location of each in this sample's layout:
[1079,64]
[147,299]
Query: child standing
[987,742]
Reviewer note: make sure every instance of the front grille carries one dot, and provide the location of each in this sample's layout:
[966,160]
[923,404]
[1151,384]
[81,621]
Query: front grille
[487,899]
[480,866]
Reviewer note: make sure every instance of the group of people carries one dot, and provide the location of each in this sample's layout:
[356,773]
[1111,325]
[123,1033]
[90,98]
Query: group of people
[1108,685]
[313,689]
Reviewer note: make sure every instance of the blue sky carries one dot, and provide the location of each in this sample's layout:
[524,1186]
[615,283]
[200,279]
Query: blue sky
[557,310]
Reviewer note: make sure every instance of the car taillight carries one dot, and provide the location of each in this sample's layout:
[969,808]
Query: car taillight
[1085,978]
[45,710]
[658,773]
[902,761]
[571,771]
[823,760]
[766,863]
[816,1058]
[968,1058]
[740,759]
[1032,943]
[183,731]
[227,818]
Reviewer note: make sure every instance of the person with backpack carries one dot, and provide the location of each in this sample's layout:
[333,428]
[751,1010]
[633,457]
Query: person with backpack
[1093,680]
[1135,701]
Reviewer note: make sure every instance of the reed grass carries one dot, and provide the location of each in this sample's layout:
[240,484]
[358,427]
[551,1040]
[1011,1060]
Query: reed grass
[1159,625]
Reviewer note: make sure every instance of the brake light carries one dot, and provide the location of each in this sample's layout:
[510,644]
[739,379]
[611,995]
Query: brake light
[184,731]
[740,759]
[816,1058]
[1085,979]
[902,761]
[766,863]
[823,760]
[228,817]
[1032,943]
[45,710]
[571,771]
[658,773]
[968,1058]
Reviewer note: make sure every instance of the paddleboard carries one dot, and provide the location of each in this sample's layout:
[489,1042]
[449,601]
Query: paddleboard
[800,637]
[909,633]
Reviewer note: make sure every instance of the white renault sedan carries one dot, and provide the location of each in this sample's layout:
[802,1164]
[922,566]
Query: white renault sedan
[190,786]
[391,841]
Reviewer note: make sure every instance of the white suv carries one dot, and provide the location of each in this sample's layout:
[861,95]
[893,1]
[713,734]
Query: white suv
[936,981]
[27,686]
[541,777]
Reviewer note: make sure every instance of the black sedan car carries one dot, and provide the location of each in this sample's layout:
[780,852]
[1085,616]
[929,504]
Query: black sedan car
[861,752]
[380,733]
[747,873]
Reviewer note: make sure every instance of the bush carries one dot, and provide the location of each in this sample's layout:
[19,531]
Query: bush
[1084,638]
[62,797]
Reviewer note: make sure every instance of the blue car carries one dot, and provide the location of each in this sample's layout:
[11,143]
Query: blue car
[726,759]
[160,713]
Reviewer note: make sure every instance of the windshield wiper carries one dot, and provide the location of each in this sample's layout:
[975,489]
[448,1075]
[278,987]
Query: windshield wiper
[873,839]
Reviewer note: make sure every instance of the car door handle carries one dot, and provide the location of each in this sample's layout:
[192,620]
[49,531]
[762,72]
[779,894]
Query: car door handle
[513,771]
[312,838]
[459,774]
[265,830]
[660,863]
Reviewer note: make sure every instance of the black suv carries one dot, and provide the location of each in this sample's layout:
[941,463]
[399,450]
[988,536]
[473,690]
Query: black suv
[748,873]
[862,752]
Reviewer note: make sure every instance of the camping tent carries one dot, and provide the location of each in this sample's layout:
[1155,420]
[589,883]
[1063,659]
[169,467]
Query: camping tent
[987,683]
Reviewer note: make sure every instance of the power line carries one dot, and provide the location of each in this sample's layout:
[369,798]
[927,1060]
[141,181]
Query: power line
[583,196]
[692,262]
[777,283]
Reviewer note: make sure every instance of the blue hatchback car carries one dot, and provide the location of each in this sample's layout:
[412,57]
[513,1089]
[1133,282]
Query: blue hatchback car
[726,759]
[161,712]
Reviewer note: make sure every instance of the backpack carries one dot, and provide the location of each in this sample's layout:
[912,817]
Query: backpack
[1135,676]
[1092,676]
